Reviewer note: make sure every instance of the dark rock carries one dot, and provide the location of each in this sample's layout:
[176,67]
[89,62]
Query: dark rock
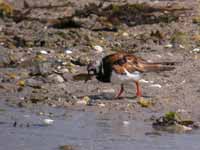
[35,98]
[15,124]
[173,122]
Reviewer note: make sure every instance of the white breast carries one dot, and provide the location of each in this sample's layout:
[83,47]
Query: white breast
[125,78]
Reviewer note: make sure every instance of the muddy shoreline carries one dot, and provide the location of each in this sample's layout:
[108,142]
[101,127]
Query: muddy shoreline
[38,59]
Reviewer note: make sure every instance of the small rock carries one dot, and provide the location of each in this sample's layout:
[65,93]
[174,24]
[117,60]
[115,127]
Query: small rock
[13,76]
[108,93]
[67,51]
[81,61]
[37,97]
[34,83]
[55,78]
[85,100]
[98,48]
[5,58]
[42,68]
[196,50]
[125,34]
[129,105]
[64,70]
[40,113]
[40,58]
[170,54]
[101,105]
[144,81]
[15,124]
[48,121]
[21,83]
[181,46]
[43,52]
[125,123]
[184,128]
[156,85]
[144,102]
[168,46]
[159,56]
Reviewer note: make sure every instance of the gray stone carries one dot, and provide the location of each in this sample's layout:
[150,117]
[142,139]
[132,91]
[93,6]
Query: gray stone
[42,68]
[34,83]
[55,78]
[4,57]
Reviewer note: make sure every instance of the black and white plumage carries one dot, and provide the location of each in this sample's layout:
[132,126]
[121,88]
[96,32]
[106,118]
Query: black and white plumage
[123,67]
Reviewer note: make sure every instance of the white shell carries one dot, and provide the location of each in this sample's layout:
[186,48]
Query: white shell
[48,121]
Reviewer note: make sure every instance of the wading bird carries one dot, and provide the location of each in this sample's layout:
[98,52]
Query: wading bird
[123,67]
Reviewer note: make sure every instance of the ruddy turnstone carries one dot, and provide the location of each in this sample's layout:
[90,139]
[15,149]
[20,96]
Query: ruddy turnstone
[123,67]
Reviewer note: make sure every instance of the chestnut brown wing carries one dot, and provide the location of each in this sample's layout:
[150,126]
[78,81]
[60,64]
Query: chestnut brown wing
[122,61]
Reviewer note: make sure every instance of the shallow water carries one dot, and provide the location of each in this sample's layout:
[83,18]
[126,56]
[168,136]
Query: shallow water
[85,131]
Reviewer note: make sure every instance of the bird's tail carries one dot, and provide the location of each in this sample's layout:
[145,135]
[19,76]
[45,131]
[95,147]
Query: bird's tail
[159,66]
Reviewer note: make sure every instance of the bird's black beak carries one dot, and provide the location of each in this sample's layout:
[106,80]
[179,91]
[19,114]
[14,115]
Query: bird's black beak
[91,69]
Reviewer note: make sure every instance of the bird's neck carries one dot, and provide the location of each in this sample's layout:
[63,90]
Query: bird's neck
[103,73]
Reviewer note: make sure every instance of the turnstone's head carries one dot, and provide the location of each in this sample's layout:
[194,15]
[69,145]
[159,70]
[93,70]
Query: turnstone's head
[93,68]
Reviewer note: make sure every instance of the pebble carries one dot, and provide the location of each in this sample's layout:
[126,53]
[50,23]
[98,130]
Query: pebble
[159,56]
[43,52]
[98,48]
[170,54]
[81,102]
[156,85]
[187,128]
[85,100]
[108,93]
[108,90]
[48,121]
[181,46]
[101,105]
[43,69]
[183,82]
[144,102]
[68,51]
[195,50]
[1,28]
[56,78]
[144,81]
[168,46]
[125,123]
[65,70]
[34,83]
[125,34]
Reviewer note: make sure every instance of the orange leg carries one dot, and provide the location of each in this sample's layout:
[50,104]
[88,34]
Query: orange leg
[120,92]
[138,93]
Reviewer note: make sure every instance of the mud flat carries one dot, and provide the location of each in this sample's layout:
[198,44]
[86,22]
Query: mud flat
[44,44]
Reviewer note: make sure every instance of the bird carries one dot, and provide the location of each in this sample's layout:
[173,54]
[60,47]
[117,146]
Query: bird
[123,67]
